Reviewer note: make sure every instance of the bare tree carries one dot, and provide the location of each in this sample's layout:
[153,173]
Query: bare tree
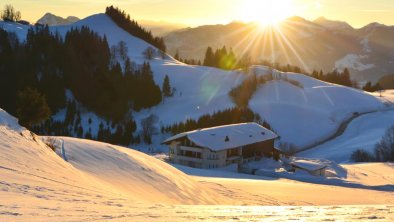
[149,128]
[123,50]
[119,52]
[9,14]
[384,150]
[149,53]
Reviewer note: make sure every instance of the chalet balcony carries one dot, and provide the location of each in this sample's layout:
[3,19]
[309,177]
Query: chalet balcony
[188,148]
[192,159]
[233,159]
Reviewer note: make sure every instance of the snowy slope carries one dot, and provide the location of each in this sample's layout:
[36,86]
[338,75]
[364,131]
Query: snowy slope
[362,133]
[93,166]
[104,182]
[306,115]
[133,173]
[301,116]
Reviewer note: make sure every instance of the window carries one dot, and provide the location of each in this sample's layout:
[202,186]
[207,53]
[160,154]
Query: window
[232,152]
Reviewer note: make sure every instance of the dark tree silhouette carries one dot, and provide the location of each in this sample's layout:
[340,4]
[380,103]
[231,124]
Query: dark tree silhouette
[124,21]
[149,128]
[32,107]
[9,14]
[166,88]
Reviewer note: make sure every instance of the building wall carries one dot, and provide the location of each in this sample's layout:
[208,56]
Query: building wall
[207,158]
[265,148]
[321,172]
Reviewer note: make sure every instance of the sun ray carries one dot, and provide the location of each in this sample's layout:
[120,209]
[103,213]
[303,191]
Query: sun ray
[294,51]
[267,12]
[283,46]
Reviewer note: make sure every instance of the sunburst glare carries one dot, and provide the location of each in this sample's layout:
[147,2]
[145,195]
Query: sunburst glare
[267,12]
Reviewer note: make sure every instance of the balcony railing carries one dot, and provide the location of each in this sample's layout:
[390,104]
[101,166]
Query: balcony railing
[193,149]
[193,159]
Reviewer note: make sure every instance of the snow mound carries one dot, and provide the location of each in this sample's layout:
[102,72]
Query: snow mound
[10,122]
[93,168]
[138,175]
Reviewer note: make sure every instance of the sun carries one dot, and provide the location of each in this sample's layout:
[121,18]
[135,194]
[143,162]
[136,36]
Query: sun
[267,12]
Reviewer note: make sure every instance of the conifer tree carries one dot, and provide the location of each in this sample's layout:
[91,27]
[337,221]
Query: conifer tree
[209,59]
[176,56]
[166,88]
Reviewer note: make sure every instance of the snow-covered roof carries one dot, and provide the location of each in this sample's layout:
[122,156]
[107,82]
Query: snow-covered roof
[227,137]
[308,165]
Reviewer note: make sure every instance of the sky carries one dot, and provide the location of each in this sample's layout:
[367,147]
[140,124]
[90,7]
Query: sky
[199,12]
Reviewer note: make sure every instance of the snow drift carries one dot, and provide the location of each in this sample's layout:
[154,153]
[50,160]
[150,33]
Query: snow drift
[94,166]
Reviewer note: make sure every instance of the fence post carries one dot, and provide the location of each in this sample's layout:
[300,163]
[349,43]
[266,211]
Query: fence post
[63,151]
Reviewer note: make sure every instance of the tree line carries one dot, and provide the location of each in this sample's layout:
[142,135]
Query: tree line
[228,116]
[123,20]
[35,74]
[243,93]
[383,151]
[227,60]
[10,14]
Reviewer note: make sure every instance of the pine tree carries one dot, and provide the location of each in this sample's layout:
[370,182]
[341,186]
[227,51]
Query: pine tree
[345,77]
[209,59]
[166,88]
[176,55]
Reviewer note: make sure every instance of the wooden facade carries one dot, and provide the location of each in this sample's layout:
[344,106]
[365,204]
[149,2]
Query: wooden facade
[185,152]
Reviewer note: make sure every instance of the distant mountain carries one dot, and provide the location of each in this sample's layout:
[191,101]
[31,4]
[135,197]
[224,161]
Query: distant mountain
[52,20]
[333,24]
[321,44]
[161,28]
[387,82]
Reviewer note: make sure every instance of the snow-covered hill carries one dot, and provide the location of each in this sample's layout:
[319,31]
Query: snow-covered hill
[93,167]
[103,181]
[141,177]
[308,114]
[301,116]
[320,44]
[362,133]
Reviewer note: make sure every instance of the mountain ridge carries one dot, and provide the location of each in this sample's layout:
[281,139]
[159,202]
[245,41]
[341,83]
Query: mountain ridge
[53,20]
[321,44]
